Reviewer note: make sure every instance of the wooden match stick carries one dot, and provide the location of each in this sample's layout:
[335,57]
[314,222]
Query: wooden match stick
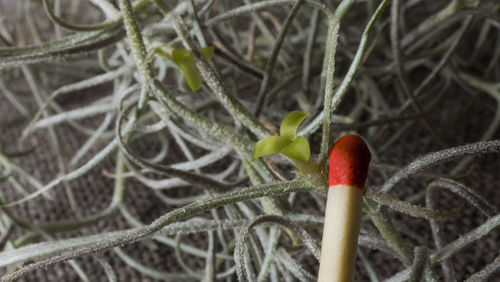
[349,162]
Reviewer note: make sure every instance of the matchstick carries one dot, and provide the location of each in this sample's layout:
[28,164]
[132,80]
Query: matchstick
[349,162]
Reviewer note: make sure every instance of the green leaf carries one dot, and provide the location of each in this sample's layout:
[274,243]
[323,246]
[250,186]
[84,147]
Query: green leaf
[208,52]
[163,53]
[186,62]
[298,149]
[269,145]
[291,123]
[181,56]
[163,6]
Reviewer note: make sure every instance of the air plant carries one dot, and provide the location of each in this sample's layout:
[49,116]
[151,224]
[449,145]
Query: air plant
[325,68]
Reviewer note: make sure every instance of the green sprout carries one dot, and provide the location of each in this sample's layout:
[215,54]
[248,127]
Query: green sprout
[295,147]
[184,59]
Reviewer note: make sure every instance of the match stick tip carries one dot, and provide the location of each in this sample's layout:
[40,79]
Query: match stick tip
[349,161]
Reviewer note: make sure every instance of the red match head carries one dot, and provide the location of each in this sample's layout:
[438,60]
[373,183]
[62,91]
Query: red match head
[349,162]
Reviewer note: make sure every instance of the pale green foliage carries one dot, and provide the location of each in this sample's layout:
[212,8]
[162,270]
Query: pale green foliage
[298,149]
[291,123]
[187,63]
[287,143]
[269,146]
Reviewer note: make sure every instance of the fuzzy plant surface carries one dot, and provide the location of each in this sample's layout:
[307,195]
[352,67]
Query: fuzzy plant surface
[188,140]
